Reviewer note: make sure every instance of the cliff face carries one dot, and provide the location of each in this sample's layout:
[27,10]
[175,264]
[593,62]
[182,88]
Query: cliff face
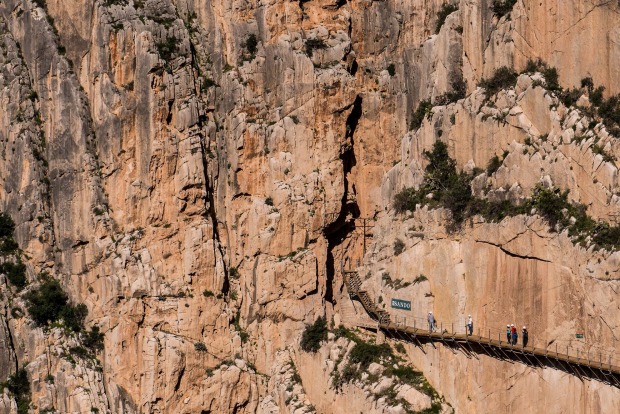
[195,174]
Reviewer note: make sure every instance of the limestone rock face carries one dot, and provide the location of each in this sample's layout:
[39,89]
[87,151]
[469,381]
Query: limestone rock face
[198,174]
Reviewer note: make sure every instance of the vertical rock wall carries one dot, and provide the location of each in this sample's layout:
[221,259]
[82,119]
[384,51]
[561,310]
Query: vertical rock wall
[195,172]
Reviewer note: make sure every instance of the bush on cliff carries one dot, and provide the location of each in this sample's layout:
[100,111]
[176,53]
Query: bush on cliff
[49,303]
[19,387]
[443,186]
[502,7]
[15,273]
[442,15]
[7,227]
[423,111]
[314,335]
[503,78]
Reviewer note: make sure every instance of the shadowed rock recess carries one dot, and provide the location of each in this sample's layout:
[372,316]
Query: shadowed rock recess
[187,188]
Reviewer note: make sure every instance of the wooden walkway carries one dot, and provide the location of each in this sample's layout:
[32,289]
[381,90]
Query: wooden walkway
[593,368]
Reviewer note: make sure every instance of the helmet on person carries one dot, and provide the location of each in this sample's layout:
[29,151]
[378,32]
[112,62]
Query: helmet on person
[469,316]
[430,313]
[523,327]
[512,324]
[507,325]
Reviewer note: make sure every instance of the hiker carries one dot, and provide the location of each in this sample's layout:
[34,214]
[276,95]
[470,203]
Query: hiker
[513,333]
[470,325]
[525,336]
[431,322]
[508,336]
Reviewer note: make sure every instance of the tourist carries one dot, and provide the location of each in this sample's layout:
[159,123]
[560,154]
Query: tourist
[508,337]
[470,325]
[431,322]
[524,336]
[513,332]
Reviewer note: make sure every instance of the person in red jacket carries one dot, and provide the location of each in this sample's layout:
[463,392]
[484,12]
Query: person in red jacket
[513,334]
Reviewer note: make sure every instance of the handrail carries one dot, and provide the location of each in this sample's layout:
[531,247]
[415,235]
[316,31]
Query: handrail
[484,336]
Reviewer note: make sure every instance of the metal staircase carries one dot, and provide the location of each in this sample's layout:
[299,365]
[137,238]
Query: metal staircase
[354,284]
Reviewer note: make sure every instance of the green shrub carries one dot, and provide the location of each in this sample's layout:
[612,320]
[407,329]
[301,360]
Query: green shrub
[19,386]
[93,339]
[7,225]
[364,353]
[607,236]
[73,316]
[596,96]
[570,97]
[421,278]
[17,313]
[399,247]
[251,44]
[442,186]
[552,78]
[208,83]
[446,10]
[406,200]
[609,111]
[49,303]
[8,245]
[314,44]
[15,273]
[207,293]
[167,48]
[408,375]
[587,83]
[243,335]
[599,150]
[533,66]
[440,169]
[391,69]
[313,335]
[269,201]
[549,204]
[396,284]
[458,91]
[80,352]
[503,78]
[423,110]
[109,3]
[502,7]
[493,165]
[200,347]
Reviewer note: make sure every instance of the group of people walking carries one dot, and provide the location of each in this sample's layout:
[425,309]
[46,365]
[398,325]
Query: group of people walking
[511,331]
[513,337]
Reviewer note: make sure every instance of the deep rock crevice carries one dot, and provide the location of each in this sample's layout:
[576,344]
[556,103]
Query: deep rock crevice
[344,225]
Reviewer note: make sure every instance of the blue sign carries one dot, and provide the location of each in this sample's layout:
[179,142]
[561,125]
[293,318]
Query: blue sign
[401,304]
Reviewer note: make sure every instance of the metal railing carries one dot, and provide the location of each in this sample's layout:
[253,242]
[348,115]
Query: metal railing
[457,331]
[580,350]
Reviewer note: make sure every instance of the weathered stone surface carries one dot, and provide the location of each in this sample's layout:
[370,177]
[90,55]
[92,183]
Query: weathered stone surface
[193,187]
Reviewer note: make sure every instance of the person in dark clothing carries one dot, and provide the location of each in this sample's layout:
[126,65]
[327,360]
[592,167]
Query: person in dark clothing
[513,333]
[470,325]
[524,336]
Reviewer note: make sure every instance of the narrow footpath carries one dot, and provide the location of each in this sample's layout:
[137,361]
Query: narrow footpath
[580,365]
